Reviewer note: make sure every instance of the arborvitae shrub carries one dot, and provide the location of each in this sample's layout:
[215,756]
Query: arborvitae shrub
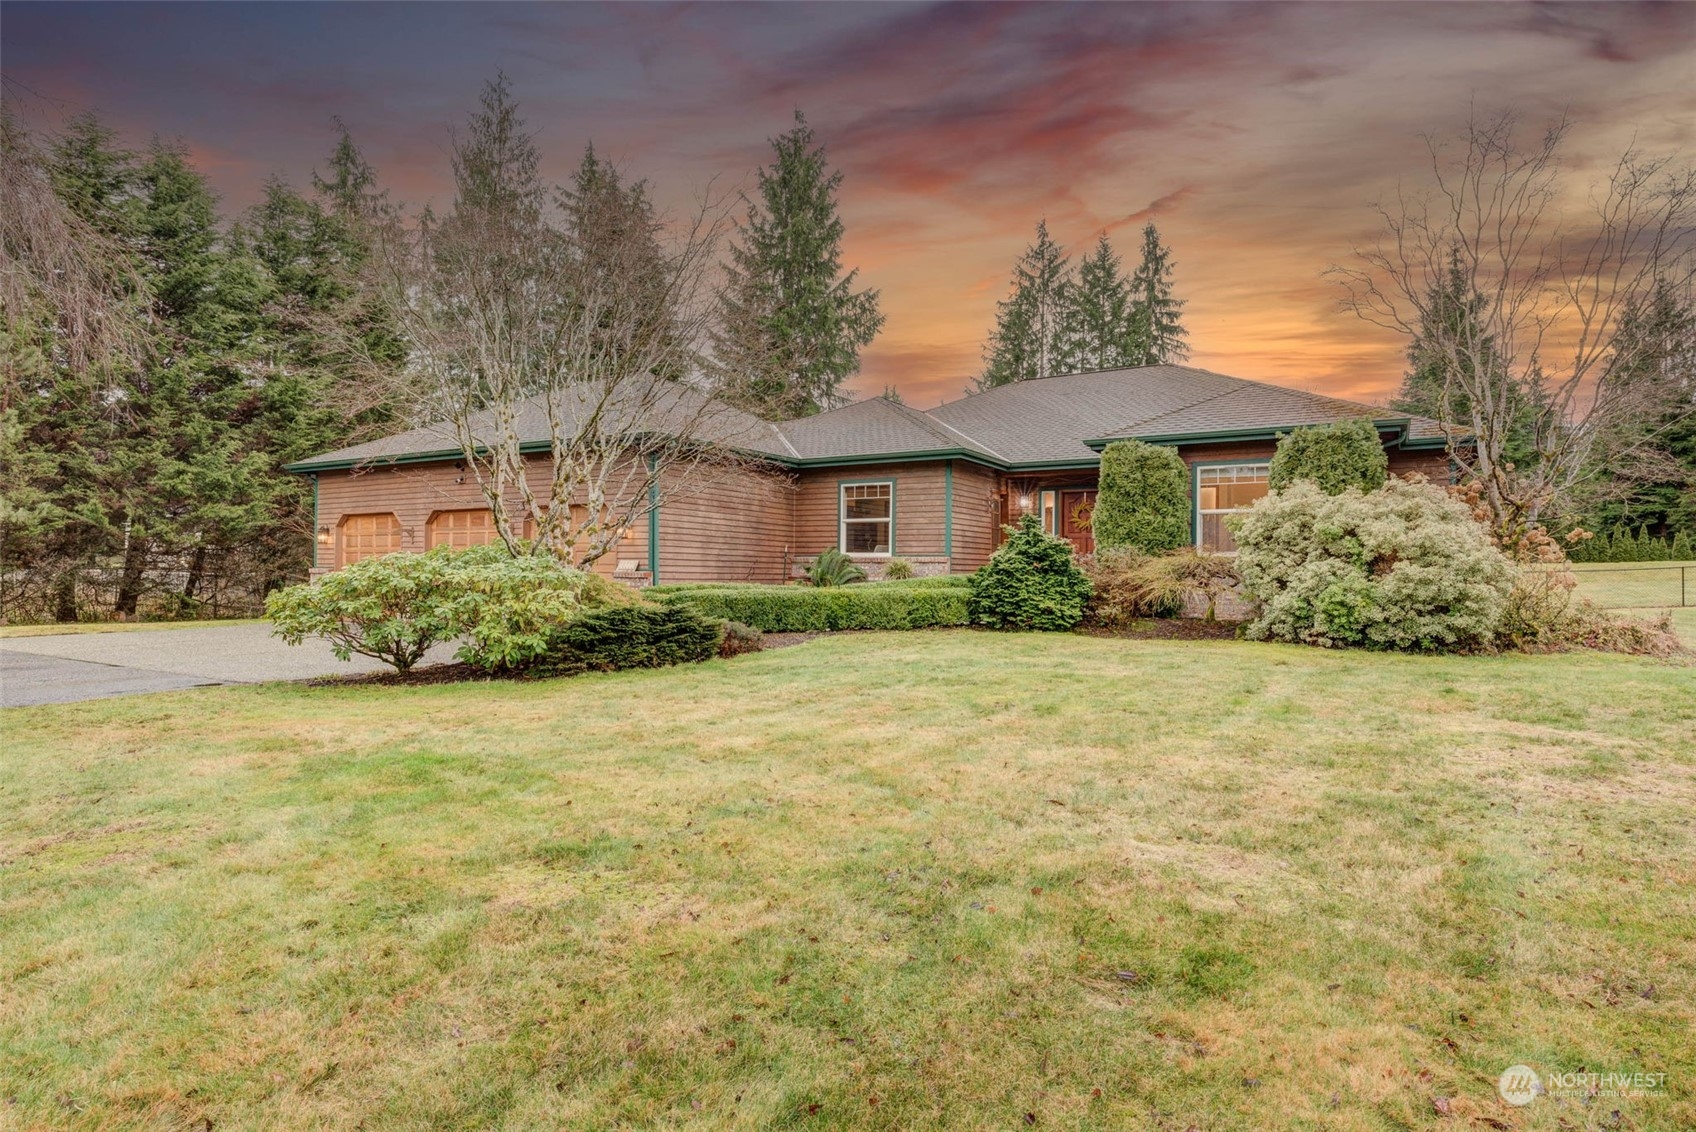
[1142,499]
[1336,457]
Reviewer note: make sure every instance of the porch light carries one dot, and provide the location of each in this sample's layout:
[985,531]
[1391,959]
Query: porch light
[323,536]
[1024,503]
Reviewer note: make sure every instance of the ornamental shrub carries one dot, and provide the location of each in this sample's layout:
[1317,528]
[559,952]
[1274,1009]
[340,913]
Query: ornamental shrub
[1544,614]
[897,570]
[739,638]
[1032,582]
[1142,499]
[1127,585]
[392,608]
[1403,567]
[834,568]
[1337,457]
[630,636]
[923,603]
[510,605]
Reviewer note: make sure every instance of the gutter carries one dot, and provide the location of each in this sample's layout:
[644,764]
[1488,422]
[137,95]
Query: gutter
[976,456]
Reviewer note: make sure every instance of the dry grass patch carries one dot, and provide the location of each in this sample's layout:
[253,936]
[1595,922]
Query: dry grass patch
[881,881]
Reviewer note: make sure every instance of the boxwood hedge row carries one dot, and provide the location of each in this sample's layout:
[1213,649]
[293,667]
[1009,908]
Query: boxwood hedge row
[920,603]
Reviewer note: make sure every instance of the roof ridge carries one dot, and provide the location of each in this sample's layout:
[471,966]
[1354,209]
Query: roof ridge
[946,430]
[1183,408]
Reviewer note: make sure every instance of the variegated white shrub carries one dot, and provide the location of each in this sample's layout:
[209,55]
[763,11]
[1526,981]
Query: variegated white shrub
[1402,567]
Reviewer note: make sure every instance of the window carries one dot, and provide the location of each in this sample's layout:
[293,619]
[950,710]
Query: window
[868,518]
[1221,490]
[1050,512]
[368,536]
[460,529]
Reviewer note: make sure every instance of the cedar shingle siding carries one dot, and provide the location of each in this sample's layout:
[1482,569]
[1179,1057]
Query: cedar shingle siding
[957,470]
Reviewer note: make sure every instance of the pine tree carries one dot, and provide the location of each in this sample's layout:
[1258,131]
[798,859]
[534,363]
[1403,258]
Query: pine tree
[1095,324]
[1157,335]
[1029,337]
[791,324]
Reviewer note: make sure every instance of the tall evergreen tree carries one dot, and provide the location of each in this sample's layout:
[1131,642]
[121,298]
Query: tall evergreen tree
[1029,336]
[1157,335]
[1656,351]
[1454,315]
[1096,328]
[626,248]
[791,324]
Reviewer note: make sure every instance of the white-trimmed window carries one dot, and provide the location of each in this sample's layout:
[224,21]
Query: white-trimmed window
[1221,490]
[868,518]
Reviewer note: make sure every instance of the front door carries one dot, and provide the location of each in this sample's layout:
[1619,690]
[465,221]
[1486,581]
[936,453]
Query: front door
[1076,509]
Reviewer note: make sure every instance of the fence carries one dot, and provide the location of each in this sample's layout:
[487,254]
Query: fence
[1639,585]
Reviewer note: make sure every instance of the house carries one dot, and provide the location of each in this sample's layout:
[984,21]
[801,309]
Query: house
[877,479]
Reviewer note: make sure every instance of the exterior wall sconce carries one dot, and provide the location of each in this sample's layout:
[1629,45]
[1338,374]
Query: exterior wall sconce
[324,536]
[1024,503]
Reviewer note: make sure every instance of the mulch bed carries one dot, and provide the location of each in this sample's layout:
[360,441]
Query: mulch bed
[1172,629]
[428,674]
[456,673]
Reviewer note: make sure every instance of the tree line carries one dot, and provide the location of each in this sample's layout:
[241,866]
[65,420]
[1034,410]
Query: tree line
[1060,319]
[163,363]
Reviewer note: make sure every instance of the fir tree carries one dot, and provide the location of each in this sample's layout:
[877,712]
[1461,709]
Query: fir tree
[1656,356]
[791,324]
[1156,333]
[1096,328]
[1029,336]
[1452,333]
[625,247]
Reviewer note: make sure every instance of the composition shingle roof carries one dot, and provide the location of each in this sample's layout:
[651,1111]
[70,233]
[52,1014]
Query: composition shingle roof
[1055,420]
[678,406]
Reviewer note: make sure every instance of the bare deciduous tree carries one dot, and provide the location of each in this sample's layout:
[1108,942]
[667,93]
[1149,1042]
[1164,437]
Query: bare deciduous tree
[1554,274]
[57,271]
[558,333]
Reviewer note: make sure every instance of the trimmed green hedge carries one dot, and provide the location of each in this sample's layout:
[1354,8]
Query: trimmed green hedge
[919,603]
[1143,498]
[1337,457]
[929,582]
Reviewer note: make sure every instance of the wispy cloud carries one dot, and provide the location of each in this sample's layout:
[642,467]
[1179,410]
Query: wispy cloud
[1253,135]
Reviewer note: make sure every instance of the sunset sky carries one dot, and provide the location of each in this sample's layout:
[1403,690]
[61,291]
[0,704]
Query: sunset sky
[1255,135]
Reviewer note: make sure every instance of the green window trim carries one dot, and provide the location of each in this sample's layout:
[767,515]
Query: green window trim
[653,525]
[947,511]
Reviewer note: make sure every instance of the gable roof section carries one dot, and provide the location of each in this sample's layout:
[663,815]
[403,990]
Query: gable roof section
[679,407]
[1061,421]
[876,427]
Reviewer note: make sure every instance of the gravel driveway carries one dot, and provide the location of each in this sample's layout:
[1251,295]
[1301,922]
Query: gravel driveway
[89,666]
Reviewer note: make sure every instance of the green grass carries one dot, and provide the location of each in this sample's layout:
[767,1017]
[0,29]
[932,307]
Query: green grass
[942,879]
[1637,585]
[59,628]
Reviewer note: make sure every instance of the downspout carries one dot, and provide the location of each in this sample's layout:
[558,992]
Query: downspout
[948,514]
[653,525]
[315,543]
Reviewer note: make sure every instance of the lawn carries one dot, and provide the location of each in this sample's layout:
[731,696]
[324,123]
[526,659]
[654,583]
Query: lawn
[58,628]
[1638,585]
[941,879]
